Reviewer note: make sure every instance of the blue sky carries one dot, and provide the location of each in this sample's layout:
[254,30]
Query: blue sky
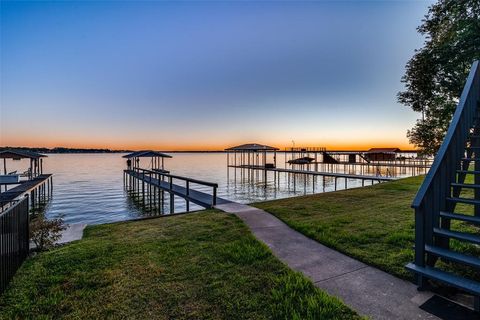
[205,75]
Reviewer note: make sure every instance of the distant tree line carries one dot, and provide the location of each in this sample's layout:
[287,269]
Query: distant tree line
[436,74]
[65,150]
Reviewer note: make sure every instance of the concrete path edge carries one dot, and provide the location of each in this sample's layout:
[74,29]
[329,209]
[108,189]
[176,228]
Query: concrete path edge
[368,290]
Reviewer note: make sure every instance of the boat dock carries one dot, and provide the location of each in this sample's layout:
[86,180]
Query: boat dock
[39,188]
[385,161]
[32,182]
[292,174]
[152,185]
[317,173]
[255,157]
[151,188]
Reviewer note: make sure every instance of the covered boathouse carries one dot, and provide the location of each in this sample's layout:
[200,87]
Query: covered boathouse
[251,155]
[381,154]
[157,162]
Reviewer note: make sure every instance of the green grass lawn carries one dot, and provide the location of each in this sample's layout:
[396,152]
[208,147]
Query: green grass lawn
[374,224]
[199,266]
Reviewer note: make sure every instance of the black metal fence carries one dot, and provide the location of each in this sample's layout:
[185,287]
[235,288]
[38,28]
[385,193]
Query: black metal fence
[14,240]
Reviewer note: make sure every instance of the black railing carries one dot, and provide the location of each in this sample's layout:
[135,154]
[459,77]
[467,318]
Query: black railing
[14,240]
[436,188]
[164,176]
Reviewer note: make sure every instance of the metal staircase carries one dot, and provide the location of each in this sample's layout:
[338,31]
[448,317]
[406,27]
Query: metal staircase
[438,219]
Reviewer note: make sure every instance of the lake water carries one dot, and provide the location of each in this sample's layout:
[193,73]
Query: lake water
[88,188]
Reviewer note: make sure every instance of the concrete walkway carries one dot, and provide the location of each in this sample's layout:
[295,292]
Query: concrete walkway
[369,291]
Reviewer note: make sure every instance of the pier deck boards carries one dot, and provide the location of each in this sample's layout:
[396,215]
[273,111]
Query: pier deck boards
[24,187]
[317,173]
[200,198]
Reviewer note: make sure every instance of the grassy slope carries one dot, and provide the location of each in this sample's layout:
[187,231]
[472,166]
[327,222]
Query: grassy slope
[373,224]
[204,265]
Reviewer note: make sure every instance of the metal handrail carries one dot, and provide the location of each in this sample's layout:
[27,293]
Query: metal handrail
[456,136]
[432,196]
[186,179]
[210,184]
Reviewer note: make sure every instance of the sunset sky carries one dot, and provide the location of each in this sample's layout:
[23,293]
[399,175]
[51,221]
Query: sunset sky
[206,75]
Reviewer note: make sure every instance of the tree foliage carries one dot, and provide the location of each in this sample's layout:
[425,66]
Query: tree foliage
[436,74]
[44,233]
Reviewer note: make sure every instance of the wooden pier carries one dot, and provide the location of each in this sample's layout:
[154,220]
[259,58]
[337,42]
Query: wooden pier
[152,187]
[318,173]
[254,157]
[292,174]
[39,189]
[32,182]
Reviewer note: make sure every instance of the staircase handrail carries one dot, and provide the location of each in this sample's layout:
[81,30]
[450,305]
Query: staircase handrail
[453,145]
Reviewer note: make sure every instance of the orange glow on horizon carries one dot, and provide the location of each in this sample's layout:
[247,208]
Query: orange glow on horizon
[219,146]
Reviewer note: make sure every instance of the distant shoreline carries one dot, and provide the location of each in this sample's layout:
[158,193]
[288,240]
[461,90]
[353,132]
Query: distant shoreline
[63,150]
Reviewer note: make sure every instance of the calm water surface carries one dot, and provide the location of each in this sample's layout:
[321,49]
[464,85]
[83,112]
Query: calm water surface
[88,188]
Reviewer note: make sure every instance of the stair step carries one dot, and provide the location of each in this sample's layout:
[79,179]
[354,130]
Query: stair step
[470,159]
[453,280]
[466,185]
[462,217]
[454,256]
[468,171]
[464,200]
[457,235]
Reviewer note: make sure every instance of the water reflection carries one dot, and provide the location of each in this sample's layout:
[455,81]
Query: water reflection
[88,188]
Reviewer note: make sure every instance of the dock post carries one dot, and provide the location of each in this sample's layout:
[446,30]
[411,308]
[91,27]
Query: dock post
[214,199]
[154,191]
[265,177]
[138,183]
[143,188]
[32,198]
[172,197]
[150,191]
[162,198]
[135,185]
